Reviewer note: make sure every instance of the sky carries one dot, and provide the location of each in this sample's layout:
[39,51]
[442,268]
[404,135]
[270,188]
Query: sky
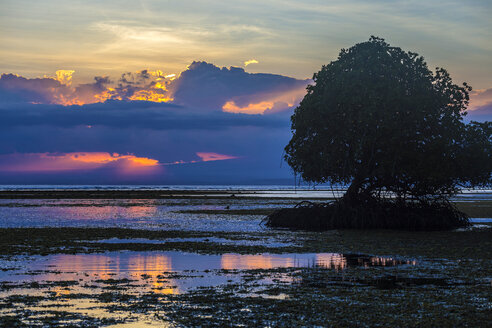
[185,92]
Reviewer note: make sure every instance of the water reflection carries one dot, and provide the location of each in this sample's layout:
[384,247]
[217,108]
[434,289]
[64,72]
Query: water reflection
[141,213]
[341,261]
[158,270]
[248,262]
[76,283]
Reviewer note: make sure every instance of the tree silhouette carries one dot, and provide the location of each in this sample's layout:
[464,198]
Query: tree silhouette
[378,120]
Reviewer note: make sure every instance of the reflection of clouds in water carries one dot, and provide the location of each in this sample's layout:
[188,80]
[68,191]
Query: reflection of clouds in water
[107,212]
[247,262]
[149,267]
[124,213]
[173,272]
[144,267]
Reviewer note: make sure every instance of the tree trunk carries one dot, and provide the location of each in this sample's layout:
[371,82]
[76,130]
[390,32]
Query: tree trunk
[354,190]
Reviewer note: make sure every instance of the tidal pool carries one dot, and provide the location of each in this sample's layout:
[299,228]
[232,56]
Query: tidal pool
[134,265]
[88,286]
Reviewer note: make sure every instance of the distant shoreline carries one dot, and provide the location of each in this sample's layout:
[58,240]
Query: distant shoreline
[167,194]
[314,194]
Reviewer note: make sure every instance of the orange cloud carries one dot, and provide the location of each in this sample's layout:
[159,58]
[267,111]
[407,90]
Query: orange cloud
[46,162]
[209,157]
[201,86]
[271,102]
[143,85]
[251,61]
[64,76]
[258,108]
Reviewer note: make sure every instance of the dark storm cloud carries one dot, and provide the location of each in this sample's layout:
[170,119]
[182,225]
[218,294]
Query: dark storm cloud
[207,86]
[34,121]
[14,88]
[164,132]
[134,114]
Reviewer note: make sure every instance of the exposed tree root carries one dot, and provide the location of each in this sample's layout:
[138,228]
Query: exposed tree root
[369,213]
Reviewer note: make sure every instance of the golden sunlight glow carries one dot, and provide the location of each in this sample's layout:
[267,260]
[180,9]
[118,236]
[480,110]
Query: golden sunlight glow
[39,162]
[104,158]
[249,262]
[145,85]
[150,95]
[152,266]
[64,76]
[109,93]
[157,73]
[271,101]
[258,108]
[251,61]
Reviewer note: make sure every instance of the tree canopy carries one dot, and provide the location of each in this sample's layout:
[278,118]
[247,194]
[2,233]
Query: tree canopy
[379,119]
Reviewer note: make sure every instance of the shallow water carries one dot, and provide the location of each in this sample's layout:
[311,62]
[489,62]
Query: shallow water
[145,267]
[145,213]
[87,283]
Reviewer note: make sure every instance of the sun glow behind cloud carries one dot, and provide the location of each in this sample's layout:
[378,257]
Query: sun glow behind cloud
[128,164]
[263,102]
[76,161]
[201,86]
[257,108]
[144,85]
[64,76]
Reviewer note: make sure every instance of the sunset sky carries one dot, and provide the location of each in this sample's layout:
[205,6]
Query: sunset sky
[180,92]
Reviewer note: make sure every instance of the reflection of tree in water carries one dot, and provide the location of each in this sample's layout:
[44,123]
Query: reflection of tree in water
[342,261]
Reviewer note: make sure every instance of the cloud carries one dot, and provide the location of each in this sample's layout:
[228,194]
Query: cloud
[209,87]
[480,108]
[201,86]
[132,114]
[76,161]
[480,98]
[64,76]
[54,131]
[251,61]
[209,157]
[15,88]
[143,85]
[204,157]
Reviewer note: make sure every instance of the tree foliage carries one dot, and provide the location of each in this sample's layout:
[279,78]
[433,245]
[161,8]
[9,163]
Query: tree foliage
[378,119]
